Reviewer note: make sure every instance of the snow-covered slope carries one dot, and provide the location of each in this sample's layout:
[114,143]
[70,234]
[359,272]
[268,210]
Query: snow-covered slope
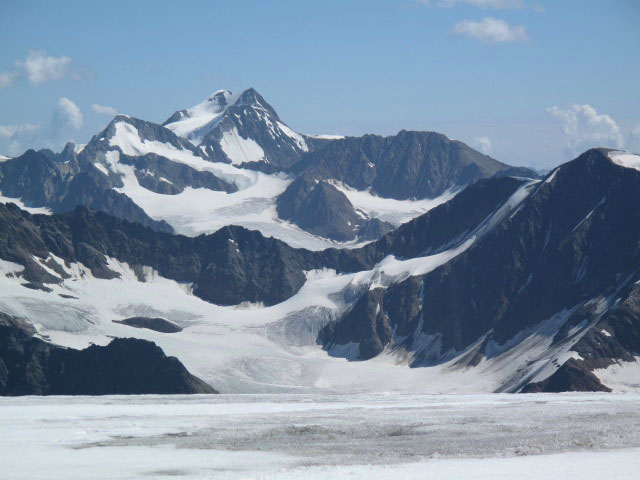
[247,348]
[20,203]
[195,122]
[396,212]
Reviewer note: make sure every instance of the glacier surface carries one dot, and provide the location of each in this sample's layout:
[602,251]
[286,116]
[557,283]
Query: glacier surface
[384,436]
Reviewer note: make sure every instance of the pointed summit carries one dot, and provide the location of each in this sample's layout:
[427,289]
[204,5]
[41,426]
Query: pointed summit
[240,129]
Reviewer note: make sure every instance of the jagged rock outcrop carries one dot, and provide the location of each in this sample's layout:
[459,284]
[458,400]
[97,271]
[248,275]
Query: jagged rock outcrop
[31,366]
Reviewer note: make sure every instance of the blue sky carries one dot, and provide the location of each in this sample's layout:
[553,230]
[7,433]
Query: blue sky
[529,82]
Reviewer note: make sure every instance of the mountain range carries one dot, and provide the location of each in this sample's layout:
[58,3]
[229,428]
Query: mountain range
[267,260]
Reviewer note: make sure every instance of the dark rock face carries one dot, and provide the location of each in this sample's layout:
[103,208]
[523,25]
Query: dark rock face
[154,323]
[366,323]
[370,323]
[571,246]
[407,165]
[42,181]
[570,377]
[161,175]
[615,338]
[34,176]
[558,247]
[243,265]
[230,266]
[447,224]
[30,366]
[319,208]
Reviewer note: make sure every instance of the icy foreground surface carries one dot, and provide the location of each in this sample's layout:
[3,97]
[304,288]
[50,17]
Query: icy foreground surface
[329,437]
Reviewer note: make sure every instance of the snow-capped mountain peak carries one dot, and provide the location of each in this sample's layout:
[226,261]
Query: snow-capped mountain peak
[195,122]
[238,128]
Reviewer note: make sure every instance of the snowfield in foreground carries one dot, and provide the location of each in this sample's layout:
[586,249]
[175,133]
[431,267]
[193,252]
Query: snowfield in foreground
[550,436]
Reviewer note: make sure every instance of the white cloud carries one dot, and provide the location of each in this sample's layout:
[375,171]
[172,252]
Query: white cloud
[635,139]
[483,144]
[66,119]
[496,4]
[66,115]
[19,134]
[40,68]
[584,128]
[101,109]
[8,131]
[490,30]
[6,79]
[15,148]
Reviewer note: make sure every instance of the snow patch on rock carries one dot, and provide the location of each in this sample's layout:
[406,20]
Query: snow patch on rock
[238,149]
[628,160]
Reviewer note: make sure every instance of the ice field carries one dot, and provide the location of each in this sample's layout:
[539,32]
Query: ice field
[386,436]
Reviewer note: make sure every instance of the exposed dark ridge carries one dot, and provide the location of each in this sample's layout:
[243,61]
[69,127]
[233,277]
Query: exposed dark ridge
[555,252]
[407,165]
[321,209]
[569,377]
[229,266]
[40,180]
[445,223]
[167,177]
[31,366]
[616,336]
[542,242]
